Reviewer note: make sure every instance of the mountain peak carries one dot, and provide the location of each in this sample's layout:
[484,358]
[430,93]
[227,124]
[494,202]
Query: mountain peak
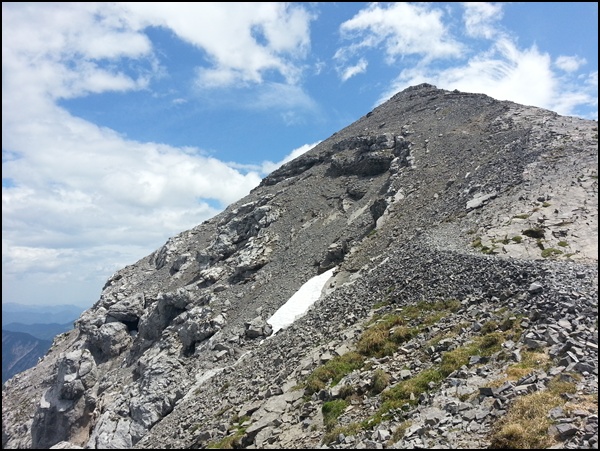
[454,241]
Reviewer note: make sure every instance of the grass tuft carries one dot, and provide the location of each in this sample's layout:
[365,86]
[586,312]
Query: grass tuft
[380,381]
[550,251]
[525,426]
[333,371]
[331,411]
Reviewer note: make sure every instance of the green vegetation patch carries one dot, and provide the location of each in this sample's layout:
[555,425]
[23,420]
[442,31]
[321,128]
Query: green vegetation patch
[380,381]
[550,252]
[484,346]
[333,371]
[380,341]
[232,441]
[348,430]
[407,392]
[564,384]
[525,426]
[331,411]
[489,250]
[384,334]
[389,331]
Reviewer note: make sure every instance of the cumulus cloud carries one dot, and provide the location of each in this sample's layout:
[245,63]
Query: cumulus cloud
[79,200]
[480,18]
[569,63]
[242,42]
[68,166]
[506,72]
[24,259]
[401,29]
[63,50]
[351,71]
[78,186]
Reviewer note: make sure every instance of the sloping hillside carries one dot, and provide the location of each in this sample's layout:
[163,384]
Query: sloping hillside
[461,234]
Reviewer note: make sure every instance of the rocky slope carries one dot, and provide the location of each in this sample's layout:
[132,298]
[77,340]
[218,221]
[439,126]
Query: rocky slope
[462,232]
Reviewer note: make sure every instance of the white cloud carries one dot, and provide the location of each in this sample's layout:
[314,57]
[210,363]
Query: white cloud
[80,199]
[25,259]
[401,29]
[64,50]
[505,72]
[291,102]
[480,18]
[243,41]
[569,63]
[583,90]
[592,79]
[70,162]
[77,188]
[281,96]
[351,71]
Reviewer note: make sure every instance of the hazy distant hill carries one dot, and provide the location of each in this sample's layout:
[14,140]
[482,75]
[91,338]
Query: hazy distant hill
[39,330]
[20,351]
[28,331]
[39,314]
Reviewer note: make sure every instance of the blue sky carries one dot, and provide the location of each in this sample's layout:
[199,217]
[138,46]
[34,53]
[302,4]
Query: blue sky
[124,124]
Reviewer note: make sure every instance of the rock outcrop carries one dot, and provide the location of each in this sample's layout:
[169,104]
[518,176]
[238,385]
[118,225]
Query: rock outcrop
[462,235]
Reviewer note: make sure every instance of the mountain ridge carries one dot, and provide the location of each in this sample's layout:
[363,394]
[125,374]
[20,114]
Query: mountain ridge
[481,212]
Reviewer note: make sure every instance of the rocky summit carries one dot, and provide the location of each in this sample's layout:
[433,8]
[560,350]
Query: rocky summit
[455,240]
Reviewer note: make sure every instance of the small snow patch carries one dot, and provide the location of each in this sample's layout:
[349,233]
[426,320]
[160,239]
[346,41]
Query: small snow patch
[299,303]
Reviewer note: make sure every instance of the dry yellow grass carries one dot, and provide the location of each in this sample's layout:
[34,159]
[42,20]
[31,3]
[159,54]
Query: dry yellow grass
[526,424]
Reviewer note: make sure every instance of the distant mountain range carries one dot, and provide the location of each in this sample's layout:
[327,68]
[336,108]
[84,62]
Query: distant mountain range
[20,351]
[39,314]
[28,332]
[39,330]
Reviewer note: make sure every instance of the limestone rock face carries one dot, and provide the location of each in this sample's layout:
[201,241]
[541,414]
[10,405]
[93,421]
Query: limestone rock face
[65,408]
[460,230]
[198,324]
[368,155]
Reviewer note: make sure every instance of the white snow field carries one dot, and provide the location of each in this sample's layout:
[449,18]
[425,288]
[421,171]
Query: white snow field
[299,303]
